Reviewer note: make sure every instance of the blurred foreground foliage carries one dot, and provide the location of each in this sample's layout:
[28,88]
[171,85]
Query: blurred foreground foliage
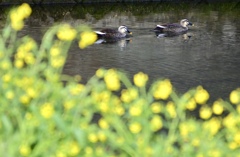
[110,115]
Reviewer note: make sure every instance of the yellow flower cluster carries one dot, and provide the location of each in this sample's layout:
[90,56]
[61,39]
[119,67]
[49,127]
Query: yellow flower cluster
[163,89]
[112,81]
[25,150]
[47,110]
[186,128]
[95,137]
[205,112]
[86,39]
[66,33]
[201,96]
[128,95]
[218,107]
[137,108]
[24,54]
[156,123]
[103,124]
[212,126]
[140,79]
[18,15]
[56,59]
[171,109]
[77,89]
[156,107]
[235,96]
[135,127]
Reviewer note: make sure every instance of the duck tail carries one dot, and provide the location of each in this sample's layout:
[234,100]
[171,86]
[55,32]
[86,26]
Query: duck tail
[99,34]
[159,28]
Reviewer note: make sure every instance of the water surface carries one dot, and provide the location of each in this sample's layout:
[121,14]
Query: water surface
[210,57]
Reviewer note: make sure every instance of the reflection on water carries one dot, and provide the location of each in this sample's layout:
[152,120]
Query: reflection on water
[207,55]
[122,43]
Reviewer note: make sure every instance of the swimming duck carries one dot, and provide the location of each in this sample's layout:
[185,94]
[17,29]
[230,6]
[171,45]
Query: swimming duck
[122,32]
[173,28]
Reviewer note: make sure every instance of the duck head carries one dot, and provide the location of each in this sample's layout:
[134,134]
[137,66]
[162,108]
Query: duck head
[123,29]
[185,23]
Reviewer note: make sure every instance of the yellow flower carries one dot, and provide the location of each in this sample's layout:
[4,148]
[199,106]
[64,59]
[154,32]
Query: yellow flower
[191,104]
[233,145]
[201,96]
[92,137]
[156,107]
[119,110]
[25,99]
[9,95]
[102,136]
[237,137]
[88,151]
[47,110]
[186,128]
[57,62]
[230,121]
[195,142]
[5,64]
[17,15]
[55,51]
[103,106]
[135,127]
[25,150]
[156,123]
[218,107]
[24,10]
[205,112]
[135,110]
[171,109]
[18,63]
[184,131]
[215,153]
[163,89]
[74,149]
[29,45]
[100,73]
[103,124]
[29,58]
[235,96]
[61,154]
[128,95]
[7,77]
[31,92]
[213,125]
[69,104]
[140,79]
[16,22]
[77,89]
[112,81]
[66,33]
[87,38]
[20,53]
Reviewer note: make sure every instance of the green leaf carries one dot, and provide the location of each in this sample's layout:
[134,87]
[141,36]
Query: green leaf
[7,124]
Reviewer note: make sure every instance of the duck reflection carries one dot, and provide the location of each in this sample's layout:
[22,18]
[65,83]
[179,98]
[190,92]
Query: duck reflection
[122,43]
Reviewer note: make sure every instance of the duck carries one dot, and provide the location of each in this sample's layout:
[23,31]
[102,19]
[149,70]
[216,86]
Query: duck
[112,34]
[173,29]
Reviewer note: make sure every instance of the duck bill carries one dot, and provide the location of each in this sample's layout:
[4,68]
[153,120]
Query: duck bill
[129,32]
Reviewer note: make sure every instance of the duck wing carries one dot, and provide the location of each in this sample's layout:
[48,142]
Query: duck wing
[109,31]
